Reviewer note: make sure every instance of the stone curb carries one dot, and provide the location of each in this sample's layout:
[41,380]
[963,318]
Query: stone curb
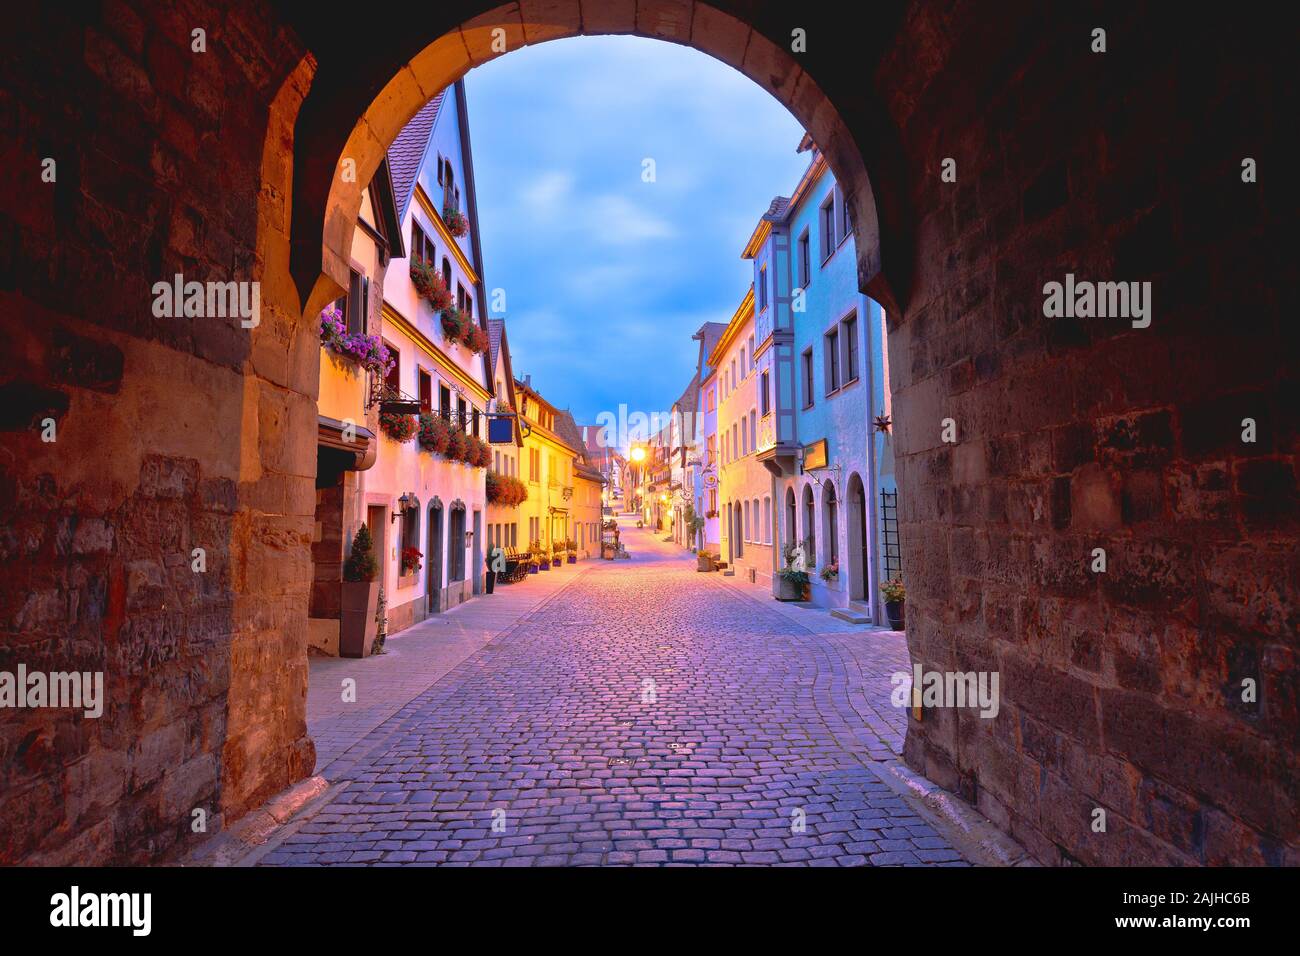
[967,829]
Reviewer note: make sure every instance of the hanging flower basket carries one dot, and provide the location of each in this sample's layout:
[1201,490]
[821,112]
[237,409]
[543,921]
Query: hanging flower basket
[401,428]
[368,351]
[435,433]
[455,221]
[430,285]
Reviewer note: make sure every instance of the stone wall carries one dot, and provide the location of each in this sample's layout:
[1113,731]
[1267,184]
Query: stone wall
[1120,690]
[171,434]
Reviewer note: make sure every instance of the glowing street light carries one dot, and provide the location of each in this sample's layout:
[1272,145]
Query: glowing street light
[637,454]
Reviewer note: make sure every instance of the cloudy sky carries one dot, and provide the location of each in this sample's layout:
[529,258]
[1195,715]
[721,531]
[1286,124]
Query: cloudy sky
[606,276]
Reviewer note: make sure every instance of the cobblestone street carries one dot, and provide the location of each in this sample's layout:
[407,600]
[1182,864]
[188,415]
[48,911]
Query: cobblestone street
[643,713]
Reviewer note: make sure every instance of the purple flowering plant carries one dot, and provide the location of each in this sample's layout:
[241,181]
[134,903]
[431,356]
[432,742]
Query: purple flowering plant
[368,350]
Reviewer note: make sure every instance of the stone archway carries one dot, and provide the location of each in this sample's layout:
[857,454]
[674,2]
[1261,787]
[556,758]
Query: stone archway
[1071,433]
[325,203]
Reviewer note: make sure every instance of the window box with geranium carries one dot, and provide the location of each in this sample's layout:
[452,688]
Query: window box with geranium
[430,285]
[400,428]
[457,442]
[455,221]
[435,433]
[411,560]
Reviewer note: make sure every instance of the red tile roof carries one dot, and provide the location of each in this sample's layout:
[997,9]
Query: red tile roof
[406,155]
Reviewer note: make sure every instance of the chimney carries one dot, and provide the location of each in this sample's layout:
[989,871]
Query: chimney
[528,381]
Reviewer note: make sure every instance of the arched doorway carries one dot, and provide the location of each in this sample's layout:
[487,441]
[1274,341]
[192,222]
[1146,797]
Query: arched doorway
[433,562]
[737,531]
[809,540]
[856,568]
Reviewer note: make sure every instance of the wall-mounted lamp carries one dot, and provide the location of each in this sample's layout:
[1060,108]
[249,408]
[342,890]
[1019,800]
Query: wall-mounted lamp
[403,505]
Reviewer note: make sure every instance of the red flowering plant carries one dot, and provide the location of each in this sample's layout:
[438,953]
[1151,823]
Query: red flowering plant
[521,491]
[457,442]
[455,221]
[477,451]
[455,325]
[401,428]
[368,351]
[477,340]
[430,285]
[435,433]
[411,560]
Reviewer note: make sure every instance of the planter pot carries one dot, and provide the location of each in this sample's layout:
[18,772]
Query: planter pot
[357,625]
[894,611]
[703,562]
[573,559]
[545,565]
[788,590]
[532,569]
[489,581]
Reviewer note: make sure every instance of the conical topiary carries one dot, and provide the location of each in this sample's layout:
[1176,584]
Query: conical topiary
[361,564]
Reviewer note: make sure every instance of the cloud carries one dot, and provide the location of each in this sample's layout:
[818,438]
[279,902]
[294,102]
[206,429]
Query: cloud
[607,275]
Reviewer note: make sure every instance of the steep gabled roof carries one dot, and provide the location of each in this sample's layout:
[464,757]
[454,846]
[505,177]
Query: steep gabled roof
[709,335]
[406,155]
[567,429]
[496,328]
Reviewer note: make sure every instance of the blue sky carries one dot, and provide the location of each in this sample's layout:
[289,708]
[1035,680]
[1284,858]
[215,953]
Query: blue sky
[606,276]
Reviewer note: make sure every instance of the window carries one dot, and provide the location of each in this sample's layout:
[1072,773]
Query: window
[409,532]
[744,443]
[394,377]
[744,369]
[751,353]
[496,462]
[354,306]
[711,397]
[827,221]
[805,261]
[446,271]
[461,297]
[426,391]
[849,332]
[764,402]
[421,245]
[444,401]
[767,520]
[761,288]
[753,429]
[807,378]
[733,373]
[461,415]
[844,224]
[746,524]
[832,355]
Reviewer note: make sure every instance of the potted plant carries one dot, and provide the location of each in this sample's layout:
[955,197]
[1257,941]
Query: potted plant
[430,285]
[703,561]
[791,584]
[455,325]
[496,558]
[895,595]
[359,598]
[533,565]
[410,562]
[573,551]
[830,572]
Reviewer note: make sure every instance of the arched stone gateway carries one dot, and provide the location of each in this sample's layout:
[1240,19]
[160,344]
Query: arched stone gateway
[988,152]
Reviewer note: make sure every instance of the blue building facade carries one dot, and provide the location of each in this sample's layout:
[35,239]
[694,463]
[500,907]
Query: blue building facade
[825,385]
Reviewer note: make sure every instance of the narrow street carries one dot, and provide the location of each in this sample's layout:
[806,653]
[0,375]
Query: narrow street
[644,713]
